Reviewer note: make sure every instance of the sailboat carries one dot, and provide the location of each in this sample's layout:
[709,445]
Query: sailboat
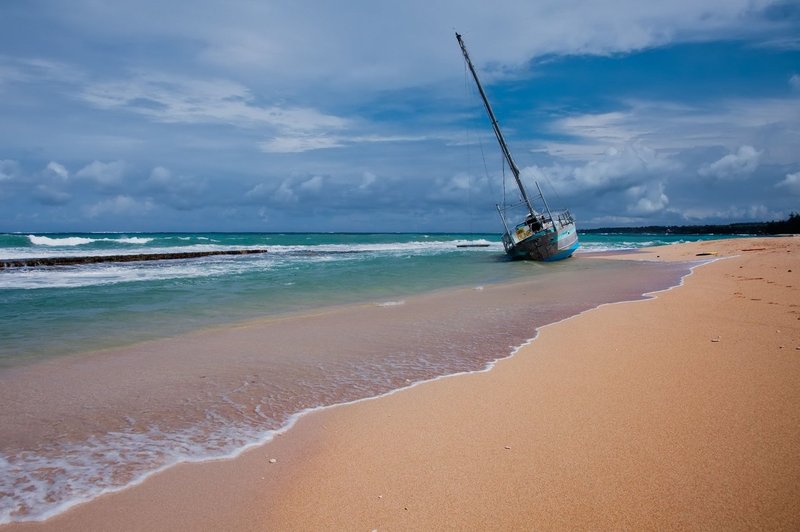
[537,235]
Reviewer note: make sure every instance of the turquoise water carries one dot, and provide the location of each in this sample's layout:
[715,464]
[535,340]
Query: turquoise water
[94,306]
[81,424]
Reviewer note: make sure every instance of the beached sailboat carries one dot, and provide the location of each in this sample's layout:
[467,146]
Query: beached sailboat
[546,235]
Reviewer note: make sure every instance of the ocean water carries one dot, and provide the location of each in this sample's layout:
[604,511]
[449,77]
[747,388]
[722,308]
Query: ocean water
[109,372]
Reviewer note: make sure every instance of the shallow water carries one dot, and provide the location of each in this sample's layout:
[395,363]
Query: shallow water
[237,347]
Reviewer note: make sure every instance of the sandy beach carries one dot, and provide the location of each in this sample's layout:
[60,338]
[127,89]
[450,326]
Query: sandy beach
[677,412]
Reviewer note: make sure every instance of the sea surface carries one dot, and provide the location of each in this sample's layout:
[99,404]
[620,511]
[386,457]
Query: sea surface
[111,371]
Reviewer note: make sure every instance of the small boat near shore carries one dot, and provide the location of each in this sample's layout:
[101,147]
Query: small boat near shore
[543,235]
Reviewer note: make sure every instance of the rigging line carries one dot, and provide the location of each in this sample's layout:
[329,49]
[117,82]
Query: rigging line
[470,89]
[469,140]
[504,183]
[485,167]
[555,191]
[468,131]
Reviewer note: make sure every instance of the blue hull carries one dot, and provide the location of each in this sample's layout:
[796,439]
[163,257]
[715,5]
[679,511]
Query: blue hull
[545,245]
[567,253]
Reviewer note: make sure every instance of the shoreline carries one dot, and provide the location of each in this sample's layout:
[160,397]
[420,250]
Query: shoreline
[203,336]
[299,446]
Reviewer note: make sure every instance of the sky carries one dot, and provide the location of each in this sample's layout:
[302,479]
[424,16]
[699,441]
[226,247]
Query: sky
[359,116]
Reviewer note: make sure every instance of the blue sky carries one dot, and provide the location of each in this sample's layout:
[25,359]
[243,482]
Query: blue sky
[358,116]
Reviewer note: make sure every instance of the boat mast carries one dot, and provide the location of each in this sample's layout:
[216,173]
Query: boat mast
[496,127]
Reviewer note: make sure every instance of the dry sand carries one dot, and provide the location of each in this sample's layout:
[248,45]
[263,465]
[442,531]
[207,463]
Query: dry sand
[676,412]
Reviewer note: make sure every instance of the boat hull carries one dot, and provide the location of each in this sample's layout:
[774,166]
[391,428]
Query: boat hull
[545,246]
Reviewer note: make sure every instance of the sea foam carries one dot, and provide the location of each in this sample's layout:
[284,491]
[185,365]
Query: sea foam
[67,241]
[81,241]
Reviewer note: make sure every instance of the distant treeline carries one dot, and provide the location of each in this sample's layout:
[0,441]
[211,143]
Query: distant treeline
[789,226]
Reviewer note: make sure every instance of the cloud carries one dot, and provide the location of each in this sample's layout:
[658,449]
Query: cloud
[791,183]
[610,128]
[162,179]
[284,193]
[178,191]
[629,180]
[757,211]
[56,171]
[313,185]
[459,188]
[289,191]
[208,100]
[325,193]
[14,70]
[105,174]
[9,170]
[172,99]
[121,205]
[307,142]
[48,195]
[368,179]
[672,127]
[299,144]
[258,192]
[794,81]
[620,167]
[349,45]
[647,199]
[734,165]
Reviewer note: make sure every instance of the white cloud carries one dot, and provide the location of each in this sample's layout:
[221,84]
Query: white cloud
[308,142]
[794,81]
[105,174]
[118,206]
[791,183]
[606,128]
[734,165]
[56,170]
[312,185]
[620,167]
[299,144]
[671,127]
[647,199]
[173,99]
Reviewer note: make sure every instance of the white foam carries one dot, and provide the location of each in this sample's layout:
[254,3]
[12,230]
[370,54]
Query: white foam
[67,241]
[414,247]
[53,479]
[391,303]
[113,273]
[129,240]
[70,241]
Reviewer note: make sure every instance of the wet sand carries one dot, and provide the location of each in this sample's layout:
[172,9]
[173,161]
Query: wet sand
[676,412]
